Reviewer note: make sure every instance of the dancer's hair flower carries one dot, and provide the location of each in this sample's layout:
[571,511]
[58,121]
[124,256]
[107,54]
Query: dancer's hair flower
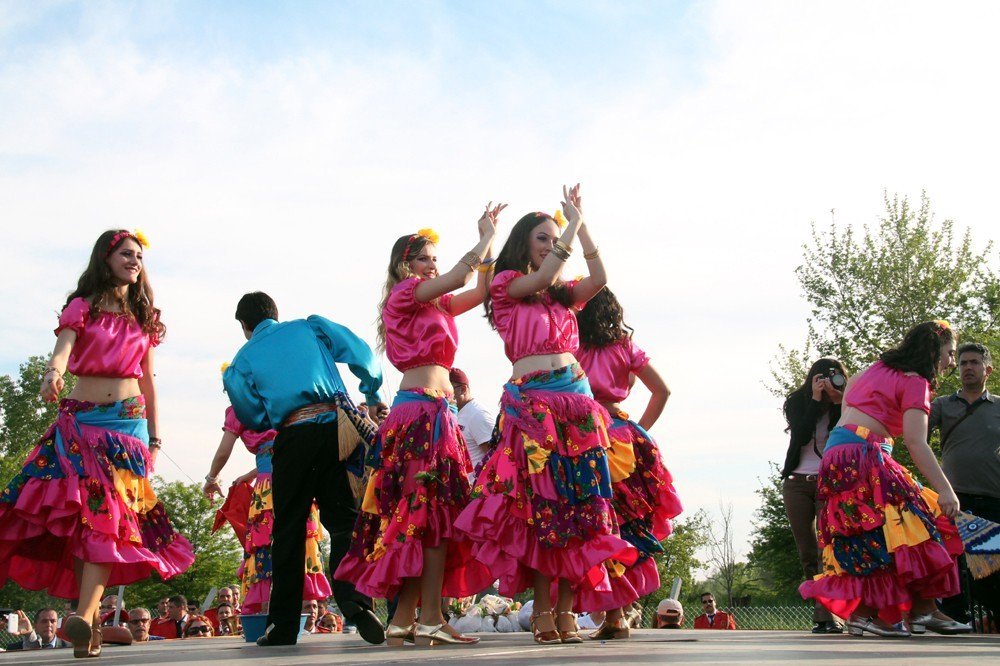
[431,235]
[560,219]
[141,237]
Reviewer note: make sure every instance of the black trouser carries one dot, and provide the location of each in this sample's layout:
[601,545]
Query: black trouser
[986,592]
[306,468]
[802,506]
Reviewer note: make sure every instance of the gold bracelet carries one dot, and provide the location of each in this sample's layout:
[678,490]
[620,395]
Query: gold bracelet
[592,255]
[471,259]
[560,252]
[562,246]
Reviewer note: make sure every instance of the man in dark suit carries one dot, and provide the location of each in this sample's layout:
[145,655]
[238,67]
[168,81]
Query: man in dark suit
[40,636]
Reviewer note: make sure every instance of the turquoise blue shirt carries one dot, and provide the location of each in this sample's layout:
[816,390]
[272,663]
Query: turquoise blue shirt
[286,366]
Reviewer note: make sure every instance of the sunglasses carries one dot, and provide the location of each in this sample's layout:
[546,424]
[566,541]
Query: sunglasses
[199,630]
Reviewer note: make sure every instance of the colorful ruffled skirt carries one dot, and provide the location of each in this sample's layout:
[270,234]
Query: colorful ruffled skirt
[883,536]
[84,493]
[543,500]
[644,498]
[255,571]
[418,487]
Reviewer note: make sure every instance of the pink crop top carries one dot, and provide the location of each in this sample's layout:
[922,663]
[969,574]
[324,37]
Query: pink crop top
[251,438]
[530,328]
[418,333]
[108,345]
[608,368]
[885,394]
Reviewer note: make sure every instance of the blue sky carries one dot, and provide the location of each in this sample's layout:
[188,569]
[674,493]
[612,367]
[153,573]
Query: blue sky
[284,146]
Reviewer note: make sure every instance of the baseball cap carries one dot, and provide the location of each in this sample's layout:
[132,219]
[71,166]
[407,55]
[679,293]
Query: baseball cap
[669,605]
[458,377]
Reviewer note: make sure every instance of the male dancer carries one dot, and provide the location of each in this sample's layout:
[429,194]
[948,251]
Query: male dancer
[285,378]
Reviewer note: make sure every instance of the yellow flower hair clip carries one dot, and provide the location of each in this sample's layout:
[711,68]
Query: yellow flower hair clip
[431,235]
[141,237]
[560,219]
[942,323]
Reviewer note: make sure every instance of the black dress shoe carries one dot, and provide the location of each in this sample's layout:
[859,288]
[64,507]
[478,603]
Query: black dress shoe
[369,626]
[834,628]
[820,627]
[272,639]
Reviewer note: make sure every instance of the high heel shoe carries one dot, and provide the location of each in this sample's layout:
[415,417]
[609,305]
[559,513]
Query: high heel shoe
[572,636]
[395,636]
[608,631]
[79,633]
[548,637]
[939,625]
[98,638]
[432,634]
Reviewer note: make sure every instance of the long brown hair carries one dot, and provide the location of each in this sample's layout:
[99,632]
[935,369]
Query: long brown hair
[399,269]
[97,284]
[516,256]
[602,321]
[920,350]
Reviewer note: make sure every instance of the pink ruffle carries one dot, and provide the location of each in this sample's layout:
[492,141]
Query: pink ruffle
[508,546]
[640,579]
[315,586]
[842,594]
[383,577]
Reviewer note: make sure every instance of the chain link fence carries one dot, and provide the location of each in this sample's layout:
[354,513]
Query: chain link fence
[772,618]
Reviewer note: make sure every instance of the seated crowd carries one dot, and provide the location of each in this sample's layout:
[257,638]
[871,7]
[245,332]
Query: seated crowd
[175,618]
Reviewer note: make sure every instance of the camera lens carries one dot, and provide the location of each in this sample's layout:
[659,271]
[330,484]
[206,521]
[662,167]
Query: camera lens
[838,380]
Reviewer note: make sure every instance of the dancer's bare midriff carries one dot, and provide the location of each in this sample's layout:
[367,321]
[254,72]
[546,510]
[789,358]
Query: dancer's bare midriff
[104,389]
[434,377]
[545,362]
[854,416]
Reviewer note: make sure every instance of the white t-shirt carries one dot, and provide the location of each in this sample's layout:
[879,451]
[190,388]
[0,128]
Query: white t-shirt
[476,425]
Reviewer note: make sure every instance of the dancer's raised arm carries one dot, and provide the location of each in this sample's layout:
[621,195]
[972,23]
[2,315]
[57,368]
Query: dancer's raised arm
[554,251]
[424,263]
[471,298]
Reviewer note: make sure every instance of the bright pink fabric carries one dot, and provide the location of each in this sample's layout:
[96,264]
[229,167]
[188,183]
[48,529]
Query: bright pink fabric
[608,368]
[108,345]
[886,394]
[418,333]
[532,327]
[251,438]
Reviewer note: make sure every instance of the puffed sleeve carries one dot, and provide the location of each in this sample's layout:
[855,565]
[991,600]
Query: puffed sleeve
[500,284]
[637,357]
[402,299]
[914,393]
[74,316]
[232,424]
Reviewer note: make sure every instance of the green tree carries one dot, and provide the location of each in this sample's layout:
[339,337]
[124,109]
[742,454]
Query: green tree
[24,416]
[218,555]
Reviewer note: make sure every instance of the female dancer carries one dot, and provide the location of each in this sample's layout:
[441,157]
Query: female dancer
[644,496]
[255,571]
[404,541]
[811,411]
[889,545]
[81,514]
[541,508]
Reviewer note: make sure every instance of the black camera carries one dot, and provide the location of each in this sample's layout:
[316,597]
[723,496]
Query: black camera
[836,378]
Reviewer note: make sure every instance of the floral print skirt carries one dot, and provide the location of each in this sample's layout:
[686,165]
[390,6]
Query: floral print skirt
[255,571]
[84,493]
[418,486]
[542,501]
[883,537]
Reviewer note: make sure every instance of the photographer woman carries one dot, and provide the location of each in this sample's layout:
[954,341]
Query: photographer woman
[811,411]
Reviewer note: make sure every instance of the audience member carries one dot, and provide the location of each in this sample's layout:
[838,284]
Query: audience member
[969,423]
[139,622]
[226,621]
[198,627]
[177,618]
[310,607]
[713,618]
[474,420]
[669,615]
[40,636]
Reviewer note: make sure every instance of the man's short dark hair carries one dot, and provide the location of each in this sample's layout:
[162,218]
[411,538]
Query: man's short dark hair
[706,594]
[38,613]
[976,348]
[254,308]
[178,600]
[224,603]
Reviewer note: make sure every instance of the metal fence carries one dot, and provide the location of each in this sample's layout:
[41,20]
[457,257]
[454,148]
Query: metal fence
[773,618]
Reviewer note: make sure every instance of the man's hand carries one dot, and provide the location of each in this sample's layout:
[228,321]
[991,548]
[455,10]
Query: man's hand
[378,412]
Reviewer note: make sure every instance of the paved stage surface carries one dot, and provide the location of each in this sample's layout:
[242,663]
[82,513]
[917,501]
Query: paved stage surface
[647,646]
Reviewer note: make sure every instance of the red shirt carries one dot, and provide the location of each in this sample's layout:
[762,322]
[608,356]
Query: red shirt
[721,620]
[166,628]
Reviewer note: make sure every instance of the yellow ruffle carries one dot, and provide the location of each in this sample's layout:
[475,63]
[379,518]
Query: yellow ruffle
[135,490]
[903,528]
[369,504]
[538,455]
[830,565]
[262,499]
[621,460]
